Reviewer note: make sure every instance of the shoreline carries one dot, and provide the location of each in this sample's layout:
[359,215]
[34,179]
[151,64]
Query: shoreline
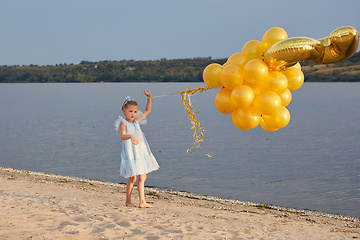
[183,213]
[184,194]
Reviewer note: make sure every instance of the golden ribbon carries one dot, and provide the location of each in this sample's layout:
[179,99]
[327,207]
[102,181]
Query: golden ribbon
[198,131]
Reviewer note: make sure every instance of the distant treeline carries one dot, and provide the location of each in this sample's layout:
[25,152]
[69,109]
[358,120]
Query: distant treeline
[177,70]
[344,71]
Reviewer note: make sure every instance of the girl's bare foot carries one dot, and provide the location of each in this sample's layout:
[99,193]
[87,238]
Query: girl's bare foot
[130,204]
[145,205]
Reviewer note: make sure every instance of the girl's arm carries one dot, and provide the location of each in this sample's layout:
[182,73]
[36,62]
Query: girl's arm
[148,106]
[124,136]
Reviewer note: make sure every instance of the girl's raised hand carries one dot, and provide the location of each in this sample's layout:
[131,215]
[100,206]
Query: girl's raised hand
[148,94]
[148,105]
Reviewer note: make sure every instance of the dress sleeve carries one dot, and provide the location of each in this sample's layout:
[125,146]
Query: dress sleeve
[117,123]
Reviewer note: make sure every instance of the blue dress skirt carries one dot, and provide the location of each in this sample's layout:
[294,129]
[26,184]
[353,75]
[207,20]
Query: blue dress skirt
[136,159]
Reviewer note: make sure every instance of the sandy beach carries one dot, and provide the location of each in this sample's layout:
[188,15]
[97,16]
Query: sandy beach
[46,206]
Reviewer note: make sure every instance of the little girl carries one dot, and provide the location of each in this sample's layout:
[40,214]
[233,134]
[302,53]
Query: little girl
[136,156]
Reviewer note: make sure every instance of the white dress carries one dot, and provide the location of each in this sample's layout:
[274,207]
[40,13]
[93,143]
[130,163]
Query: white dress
[136,159]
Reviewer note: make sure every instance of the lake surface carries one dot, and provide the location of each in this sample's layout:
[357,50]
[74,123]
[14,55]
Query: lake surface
[313,163]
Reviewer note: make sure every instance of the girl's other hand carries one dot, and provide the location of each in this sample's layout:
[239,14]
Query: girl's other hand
[134,140]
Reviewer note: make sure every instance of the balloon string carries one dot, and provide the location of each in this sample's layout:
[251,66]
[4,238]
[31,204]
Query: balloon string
[189,91]
[198,131]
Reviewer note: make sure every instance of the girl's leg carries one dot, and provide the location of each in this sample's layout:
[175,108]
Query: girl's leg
[129,188]
[140,185]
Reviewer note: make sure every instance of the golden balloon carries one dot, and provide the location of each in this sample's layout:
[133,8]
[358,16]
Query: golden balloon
[235,121]
[285,97]
[248,118]
[278,119]
[252,50]
[211,75]
[266,126]
[255,71]
[276,82]
[242,96]
[341,44]
[223,101]
[272,36]
[267,102]
[295,78]
[231,76]
[238,59]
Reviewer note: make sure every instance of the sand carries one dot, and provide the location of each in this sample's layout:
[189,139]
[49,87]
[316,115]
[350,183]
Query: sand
[47,206]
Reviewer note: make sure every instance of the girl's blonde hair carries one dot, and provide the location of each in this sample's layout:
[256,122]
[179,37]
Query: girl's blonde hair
[129,102]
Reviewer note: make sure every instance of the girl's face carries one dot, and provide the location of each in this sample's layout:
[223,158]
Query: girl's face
[130,112]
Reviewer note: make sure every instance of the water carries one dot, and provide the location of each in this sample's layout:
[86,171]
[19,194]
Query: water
[313,163]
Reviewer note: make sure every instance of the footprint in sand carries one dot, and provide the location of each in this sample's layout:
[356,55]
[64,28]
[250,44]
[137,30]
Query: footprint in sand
[123,224]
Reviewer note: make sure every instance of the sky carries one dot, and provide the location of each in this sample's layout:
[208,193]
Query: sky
[49,32]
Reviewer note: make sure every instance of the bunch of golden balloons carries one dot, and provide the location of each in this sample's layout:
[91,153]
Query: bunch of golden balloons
[251,91]
[256,85]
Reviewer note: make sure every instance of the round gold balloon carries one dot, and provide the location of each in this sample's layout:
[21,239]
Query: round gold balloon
[242,96]
[231,76]
[211,75]
[278,119]
[252,50]
[341,44]
[238,59]
[272,36]
[255,71]
[223,101]
[286,97]
[266,126]
[248,118]
[276,82]
[236,122]
[267,102]
[295,78]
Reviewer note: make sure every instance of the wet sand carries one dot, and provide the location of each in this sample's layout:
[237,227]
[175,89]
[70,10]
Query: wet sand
[47,206]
